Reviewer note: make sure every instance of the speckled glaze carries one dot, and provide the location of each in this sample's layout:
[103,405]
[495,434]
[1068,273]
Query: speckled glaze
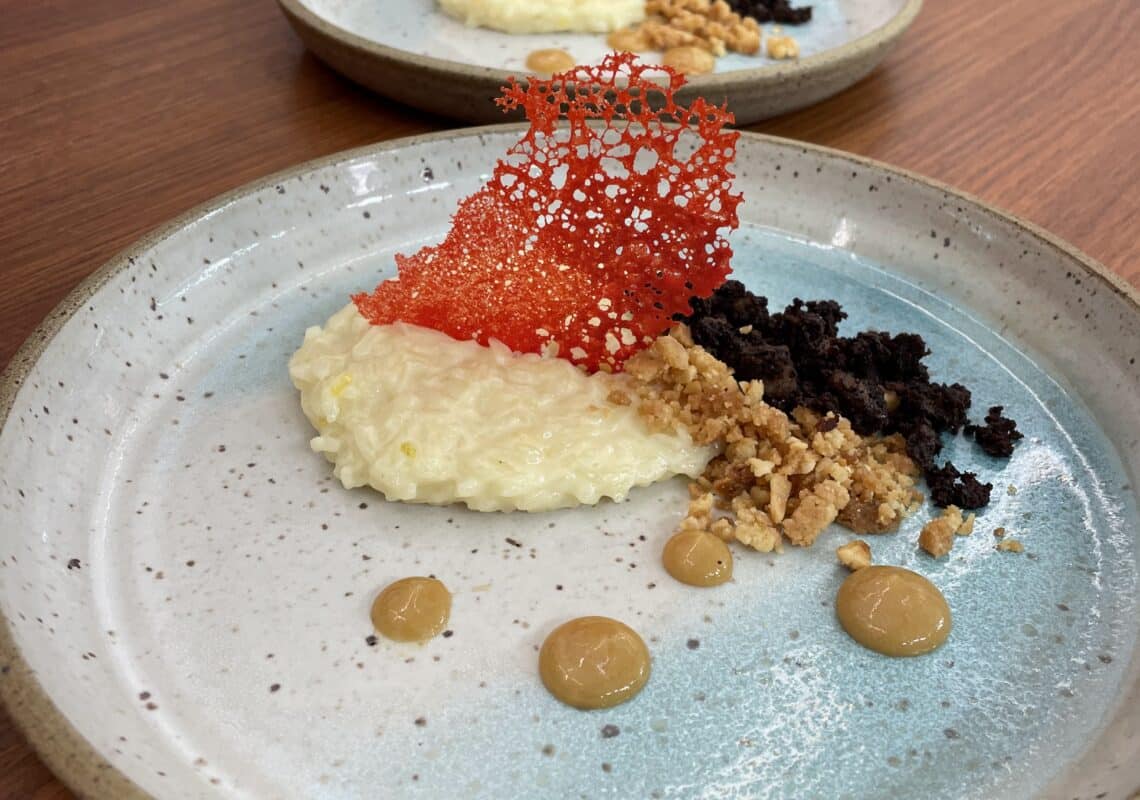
[185,589]
[415,54]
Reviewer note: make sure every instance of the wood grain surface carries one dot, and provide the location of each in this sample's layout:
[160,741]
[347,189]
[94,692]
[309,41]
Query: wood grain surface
[117,115]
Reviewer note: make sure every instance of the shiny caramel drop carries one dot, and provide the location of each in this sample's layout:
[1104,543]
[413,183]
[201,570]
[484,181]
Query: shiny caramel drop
[893,611]
[412,609]
[549,61]
[698,558]
[593,662]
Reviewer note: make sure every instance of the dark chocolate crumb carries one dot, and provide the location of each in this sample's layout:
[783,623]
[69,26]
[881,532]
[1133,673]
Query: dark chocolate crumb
[548,750]
[74,564]
[877,380]
[780,11]
[513,542]
[448,634]
[997,436]
[693,644]
[948,486]
[420,722]
[274,687]
[607,766]
[371,640]
[610,731]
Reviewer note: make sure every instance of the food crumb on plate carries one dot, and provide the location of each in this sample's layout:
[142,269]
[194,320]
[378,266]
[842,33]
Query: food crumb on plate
[780,46]
[937,537]
[854,555]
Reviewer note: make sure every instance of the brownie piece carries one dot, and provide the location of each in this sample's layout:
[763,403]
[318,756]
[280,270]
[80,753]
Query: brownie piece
[997,436]
[949,487]
[780,11]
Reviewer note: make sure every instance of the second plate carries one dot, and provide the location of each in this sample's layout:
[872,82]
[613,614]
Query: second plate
[414,53]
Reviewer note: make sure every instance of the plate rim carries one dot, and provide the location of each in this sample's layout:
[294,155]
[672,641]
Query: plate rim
[758,79]
[70,756]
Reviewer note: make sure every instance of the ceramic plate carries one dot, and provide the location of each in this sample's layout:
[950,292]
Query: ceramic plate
[185,588]
[414,53]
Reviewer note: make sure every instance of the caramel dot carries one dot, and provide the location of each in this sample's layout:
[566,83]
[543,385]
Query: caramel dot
[697,558]
[893,611]
[412,609]
[549,61]
[593,662]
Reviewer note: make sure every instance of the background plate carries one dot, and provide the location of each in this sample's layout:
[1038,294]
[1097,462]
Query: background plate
[414,53]
[185,588]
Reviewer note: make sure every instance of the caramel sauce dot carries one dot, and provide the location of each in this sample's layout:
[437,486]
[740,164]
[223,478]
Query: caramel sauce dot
[412,609]
[893,611]
[593,662]
[697,558]
[549,61]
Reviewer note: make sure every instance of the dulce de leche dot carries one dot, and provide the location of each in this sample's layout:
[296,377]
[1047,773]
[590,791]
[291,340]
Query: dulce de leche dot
[893,611]
[549,61]
[412,609]
[593,662]
[697,558]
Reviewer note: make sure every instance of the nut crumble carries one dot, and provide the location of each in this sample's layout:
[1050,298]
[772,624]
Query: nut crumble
[854,555]
[937,537]
[708,25]
[778,476]
[780,46]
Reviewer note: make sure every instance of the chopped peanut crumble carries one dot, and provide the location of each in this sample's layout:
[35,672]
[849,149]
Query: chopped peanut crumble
[710,26]
[777,477]
[781,47]
[854,555]
[937,536]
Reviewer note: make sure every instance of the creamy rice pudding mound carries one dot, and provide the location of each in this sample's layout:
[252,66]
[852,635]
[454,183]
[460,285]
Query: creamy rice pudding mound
[524,16]
[425,418]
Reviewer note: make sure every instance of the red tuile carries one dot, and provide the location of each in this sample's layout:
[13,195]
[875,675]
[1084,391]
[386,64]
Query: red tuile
[590,236]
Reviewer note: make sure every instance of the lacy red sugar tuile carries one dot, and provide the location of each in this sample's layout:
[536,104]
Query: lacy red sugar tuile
[588,237]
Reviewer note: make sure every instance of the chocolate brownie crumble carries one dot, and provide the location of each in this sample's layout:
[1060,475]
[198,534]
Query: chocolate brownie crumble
[876,380]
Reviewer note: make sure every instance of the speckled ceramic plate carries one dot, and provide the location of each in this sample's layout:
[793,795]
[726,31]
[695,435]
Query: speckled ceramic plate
[185,589]
[414,53]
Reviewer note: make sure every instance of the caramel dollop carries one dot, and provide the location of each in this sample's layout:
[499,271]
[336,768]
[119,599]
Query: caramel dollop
[698,558]
[412,609]
[893,611]
[549,61]
[593,662]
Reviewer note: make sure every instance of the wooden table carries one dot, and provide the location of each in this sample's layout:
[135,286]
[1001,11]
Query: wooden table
[117,115]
